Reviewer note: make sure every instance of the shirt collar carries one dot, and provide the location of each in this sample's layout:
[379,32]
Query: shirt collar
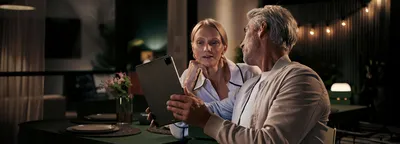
[281,62]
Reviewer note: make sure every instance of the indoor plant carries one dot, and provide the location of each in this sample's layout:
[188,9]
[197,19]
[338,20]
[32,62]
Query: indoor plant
[118,86]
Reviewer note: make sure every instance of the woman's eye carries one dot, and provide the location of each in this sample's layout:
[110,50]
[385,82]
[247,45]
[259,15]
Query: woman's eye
[200,42]
[214,43]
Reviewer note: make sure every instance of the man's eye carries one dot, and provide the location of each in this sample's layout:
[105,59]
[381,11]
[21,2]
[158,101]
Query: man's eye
[200,42]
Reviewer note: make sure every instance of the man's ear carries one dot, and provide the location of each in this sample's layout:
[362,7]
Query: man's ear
[262,31]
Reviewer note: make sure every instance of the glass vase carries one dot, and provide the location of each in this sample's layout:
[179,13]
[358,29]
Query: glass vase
[124,109]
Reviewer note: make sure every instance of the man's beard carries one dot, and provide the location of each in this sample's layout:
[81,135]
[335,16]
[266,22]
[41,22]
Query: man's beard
[253,49]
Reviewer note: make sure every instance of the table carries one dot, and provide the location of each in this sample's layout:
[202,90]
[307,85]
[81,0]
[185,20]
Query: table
[49,132]
[346,114]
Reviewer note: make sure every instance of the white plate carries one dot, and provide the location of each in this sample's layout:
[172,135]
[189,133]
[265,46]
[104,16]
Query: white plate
[93,128]
[102,117]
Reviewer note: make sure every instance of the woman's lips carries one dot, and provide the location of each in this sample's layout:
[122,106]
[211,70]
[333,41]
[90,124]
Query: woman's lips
[207,57]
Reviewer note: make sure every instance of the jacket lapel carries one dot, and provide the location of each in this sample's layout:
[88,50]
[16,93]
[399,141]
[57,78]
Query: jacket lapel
[242,97]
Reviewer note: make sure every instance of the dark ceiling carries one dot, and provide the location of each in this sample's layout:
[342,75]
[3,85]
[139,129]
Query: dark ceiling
[6,1]
[291,2]
[295,2]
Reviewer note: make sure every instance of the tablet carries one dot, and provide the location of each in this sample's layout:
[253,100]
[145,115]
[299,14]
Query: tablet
[159,79]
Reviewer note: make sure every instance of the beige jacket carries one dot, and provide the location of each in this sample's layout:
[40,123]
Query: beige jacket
[292,106]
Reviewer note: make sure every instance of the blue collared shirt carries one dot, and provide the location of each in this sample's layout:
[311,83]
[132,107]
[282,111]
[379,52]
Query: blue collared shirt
[204,90]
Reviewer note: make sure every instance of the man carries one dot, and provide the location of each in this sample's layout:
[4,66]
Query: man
[288,103]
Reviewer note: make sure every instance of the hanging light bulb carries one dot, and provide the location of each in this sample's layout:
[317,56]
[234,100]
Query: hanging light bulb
[312,29]
[343,21]
[17,7]
[328,30]
[21,5]
[312,32]
[366,10]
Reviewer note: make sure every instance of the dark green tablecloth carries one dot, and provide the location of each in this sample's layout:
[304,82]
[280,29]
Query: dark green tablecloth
[50,131]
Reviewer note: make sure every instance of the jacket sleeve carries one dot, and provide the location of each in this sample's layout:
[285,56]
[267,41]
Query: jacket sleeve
[294,112]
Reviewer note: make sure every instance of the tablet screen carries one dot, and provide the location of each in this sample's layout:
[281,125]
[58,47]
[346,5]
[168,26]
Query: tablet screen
[159,79]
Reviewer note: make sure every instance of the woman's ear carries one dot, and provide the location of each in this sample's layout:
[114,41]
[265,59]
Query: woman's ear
[225,49]
[194,56]
[192,44]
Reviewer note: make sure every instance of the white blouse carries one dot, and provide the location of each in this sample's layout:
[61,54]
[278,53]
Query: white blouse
[203,88]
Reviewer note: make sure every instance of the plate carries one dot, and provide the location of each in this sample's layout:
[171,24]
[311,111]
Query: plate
[102,117]
[93,128]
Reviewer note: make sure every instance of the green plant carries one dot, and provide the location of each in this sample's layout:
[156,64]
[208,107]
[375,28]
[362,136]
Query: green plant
[118,85]
[239,55]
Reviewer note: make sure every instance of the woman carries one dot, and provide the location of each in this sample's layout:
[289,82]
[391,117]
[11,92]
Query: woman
[211,76]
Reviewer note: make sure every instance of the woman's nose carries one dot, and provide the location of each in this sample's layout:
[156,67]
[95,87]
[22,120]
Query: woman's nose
[207,47]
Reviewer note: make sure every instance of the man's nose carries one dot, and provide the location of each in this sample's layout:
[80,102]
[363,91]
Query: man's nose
[241,45]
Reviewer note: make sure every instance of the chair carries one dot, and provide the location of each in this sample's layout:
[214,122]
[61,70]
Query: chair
[330,136]
[54,107]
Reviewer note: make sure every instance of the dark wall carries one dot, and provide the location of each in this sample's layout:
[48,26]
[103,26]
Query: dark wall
[345,51]
[191,22]
[362,53]
[392,79]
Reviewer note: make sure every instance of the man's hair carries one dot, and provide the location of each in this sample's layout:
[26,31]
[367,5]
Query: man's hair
[281,25]
[211,23]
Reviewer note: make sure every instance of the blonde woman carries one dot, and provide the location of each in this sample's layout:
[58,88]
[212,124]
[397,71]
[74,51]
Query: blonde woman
[211,76]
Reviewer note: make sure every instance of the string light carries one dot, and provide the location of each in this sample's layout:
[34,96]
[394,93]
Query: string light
[312,32]
[328,30]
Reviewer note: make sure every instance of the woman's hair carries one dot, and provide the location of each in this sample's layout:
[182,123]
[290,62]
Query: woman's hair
[211,23]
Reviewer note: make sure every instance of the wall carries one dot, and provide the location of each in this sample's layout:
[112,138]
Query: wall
[232,15]
[365,36]
[91,13]
[21,50]
[177,33]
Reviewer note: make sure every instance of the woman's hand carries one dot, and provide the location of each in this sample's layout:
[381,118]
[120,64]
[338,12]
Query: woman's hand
[223,64]
[195,68]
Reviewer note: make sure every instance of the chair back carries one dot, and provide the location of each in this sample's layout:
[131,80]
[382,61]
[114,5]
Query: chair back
[330,136]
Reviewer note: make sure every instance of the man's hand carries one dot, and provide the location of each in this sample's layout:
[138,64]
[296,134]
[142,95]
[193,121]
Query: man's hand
[189,109]
[150,118]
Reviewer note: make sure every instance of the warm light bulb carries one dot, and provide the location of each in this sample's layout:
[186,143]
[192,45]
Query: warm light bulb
[328,30]
[17,7]
[343,23]
[311,32]
[366,10]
